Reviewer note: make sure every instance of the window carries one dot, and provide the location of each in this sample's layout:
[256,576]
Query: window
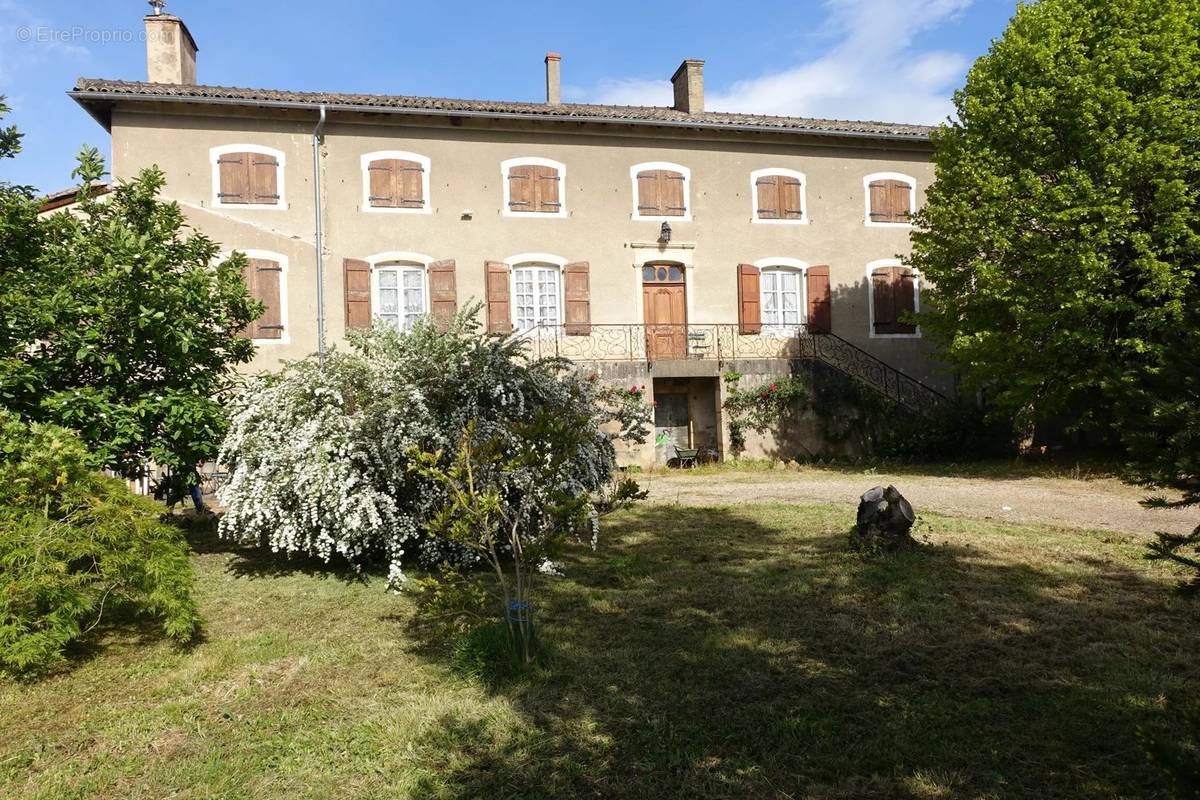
[778,196]
[781,299]
[660,191]
[533,187]
[395,181]
[536,289]
[265,275]
[247,176]
[895,291]
[399,295]
[891,198]
[778,295]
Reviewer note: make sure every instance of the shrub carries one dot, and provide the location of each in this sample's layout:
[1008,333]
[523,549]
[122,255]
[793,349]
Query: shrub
[76,545]
[320,455]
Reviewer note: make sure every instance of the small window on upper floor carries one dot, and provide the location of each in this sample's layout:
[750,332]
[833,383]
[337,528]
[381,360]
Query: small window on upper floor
[891,198]
[533,187]
[778,196]
[247,176]
[395,181]
[660,191]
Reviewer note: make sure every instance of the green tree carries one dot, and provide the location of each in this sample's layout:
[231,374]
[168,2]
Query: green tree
[121,324]
[1062,235]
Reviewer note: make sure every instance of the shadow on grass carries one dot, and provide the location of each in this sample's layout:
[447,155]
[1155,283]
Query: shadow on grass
[256,561]
[705,653]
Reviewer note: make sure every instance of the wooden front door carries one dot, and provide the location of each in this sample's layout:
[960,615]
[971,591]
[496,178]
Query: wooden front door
[664,304]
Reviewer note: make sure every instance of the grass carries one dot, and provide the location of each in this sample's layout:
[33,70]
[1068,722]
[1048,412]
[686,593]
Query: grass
[701,653]
[992,469]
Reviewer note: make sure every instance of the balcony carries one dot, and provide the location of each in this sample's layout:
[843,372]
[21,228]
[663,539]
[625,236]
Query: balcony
[723,343]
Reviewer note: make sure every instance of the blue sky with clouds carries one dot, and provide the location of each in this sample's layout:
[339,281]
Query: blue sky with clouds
[893,60]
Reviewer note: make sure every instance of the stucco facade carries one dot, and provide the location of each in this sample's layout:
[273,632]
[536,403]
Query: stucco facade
[466,220]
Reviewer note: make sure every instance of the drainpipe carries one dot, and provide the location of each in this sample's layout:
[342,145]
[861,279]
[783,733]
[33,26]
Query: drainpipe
[320,245]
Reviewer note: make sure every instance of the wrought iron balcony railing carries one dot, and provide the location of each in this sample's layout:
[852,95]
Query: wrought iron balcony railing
[726,342]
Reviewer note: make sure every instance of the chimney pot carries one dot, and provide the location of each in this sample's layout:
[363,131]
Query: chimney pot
[553,79]
[170,50]
[688,82]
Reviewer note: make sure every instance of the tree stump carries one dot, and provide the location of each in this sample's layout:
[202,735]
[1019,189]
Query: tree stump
[884,521]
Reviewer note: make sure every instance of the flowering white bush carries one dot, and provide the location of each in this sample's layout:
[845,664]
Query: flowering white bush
[321,457]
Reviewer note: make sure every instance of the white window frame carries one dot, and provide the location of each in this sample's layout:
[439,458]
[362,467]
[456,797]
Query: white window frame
[687,190]
[791,173]
[399,260]
[282,260]
[542,261]
[535,161]
[885,176]
[215,153]
[891,262]
[785,264]
[365,162]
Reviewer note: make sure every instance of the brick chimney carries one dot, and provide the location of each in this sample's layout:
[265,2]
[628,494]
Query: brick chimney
[688,81]
[553,79]
[170,49]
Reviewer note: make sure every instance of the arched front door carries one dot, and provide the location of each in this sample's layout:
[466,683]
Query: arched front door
[664,304]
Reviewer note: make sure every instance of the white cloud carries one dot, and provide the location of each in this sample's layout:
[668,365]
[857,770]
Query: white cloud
[871,70]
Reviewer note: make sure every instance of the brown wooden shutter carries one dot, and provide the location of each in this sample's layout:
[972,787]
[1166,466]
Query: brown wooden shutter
[898,200]
[265,178]
[820,317]
[906,299]
[356,283]
[381,183]
[768,196]
[499,307]
[443,292]
[579,301]
[266,290]
[520,188]
[749,299]
[790,206]
[234,178]
[880,210]
[883,304]
[546,190]
[647,187]
[409,186]
[671,192]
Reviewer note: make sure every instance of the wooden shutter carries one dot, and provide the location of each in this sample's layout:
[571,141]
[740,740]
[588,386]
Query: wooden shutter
[443,292]
[234,178]
[889,200]
[790,205]
[546,190]
[579,301]
[264,179]
[906,299]
[820,318]
[409,184]
[767,187]
[356,284]
[883,300]
[671,191]
[647,188]
[899,194]
[749,299]
[266,290]
[499,307]
[520,188]
[381,191]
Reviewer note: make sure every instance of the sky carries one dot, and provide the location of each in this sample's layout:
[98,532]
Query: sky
[889,60]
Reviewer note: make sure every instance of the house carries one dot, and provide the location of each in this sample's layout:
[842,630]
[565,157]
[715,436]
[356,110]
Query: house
[68,199]
[654,245]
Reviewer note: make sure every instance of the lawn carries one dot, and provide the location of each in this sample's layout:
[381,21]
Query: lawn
[698,653]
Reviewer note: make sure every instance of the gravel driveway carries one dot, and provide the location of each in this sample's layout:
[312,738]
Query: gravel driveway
[1099,504]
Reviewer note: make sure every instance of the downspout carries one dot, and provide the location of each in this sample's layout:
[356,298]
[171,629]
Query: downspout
[319,243]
